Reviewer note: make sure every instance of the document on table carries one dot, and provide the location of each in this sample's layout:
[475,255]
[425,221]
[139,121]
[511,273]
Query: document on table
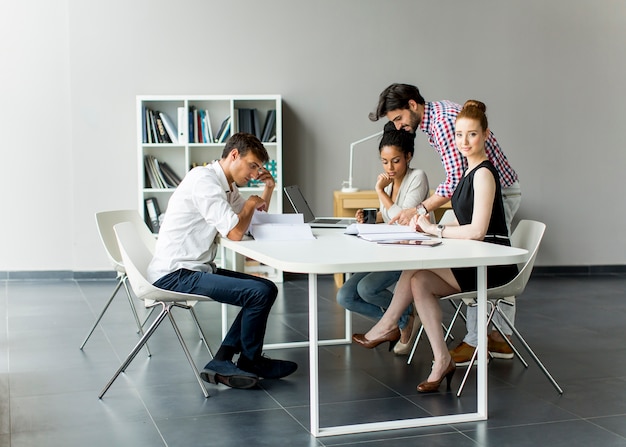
[279,227]
[385,232]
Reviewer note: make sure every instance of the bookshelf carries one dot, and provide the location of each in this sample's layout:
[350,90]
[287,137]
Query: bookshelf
[176,133]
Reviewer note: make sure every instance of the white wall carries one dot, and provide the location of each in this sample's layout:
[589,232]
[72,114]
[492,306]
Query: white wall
[551,73]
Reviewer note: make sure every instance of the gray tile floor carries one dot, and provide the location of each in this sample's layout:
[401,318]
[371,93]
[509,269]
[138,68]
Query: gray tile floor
[49,388]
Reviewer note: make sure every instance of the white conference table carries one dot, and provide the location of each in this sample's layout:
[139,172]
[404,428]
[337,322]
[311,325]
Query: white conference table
[332,251]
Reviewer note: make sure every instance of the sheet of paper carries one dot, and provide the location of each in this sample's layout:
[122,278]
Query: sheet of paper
[281,232]
[262,217]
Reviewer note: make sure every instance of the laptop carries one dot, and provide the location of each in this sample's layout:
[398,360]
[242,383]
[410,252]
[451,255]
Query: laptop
[300,205]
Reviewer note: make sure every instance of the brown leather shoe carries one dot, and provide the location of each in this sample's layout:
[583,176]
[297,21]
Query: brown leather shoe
[462,354]
[499,349]
[392,337]
[431,387]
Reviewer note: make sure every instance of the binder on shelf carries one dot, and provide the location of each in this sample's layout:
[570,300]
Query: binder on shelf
[256,125]
[171,130]
[182,125]
[268,127]
[152,214]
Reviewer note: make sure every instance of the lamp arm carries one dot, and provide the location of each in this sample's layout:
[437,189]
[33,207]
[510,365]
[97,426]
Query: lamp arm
[352,145]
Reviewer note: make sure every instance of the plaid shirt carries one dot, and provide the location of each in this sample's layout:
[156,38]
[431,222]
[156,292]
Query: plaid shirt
[438,123]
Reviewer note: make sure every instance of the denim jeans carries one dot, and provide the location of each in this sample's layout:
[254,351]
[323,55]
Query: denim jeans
[254,295]
[367,294]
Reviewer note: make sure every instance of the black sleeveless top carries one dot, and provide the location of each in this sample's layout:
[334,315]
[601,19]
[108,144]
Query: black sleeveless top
[463,206]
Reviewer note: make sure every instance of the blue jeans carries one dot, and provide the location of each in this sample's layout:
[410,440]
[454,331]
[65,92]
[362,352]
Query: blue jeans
[254,295]
[367,294]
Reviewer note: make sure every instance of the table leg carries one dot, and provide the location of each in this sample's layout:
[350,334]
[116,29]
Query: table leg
[481,388]
[313,356]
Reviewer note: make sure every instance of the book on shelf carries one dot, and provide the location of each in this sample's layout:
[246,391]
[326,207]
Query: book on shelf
[171,130]
[209,131]
[170,177]
[144,128]
[163,135]
[153,213]
[182,125]
[159,175]
[224,130]
[268,127]
[153,127]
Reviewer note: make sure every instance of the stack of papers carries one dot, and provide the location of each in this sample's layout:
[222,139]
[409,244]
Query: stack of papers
[279,227]
[385,232]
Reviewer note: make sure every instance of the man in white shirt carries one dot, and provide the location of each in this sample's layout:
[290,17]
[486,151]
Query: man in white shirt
[207,202]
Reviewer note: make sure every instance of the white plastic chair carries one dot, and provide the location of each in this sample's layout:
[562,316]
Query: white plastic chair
[527,235]
[105,221]
[136,256]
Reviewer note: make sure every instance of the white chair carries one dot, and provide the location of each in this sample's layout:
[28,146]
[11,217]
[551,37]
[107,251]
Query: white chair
[527,235]
[136,256]
[105,221]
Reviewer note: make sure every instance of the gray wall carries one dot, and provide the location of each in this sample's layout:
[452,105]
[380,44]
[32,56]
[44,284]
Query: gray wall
[551,73]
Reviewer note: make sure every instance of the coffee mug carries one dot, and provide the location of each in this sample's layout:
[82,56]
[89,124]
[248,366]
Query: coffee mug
[369,215]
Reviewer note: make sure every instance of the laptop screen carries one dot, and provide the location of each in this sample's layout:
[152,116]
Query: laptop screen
[298,202]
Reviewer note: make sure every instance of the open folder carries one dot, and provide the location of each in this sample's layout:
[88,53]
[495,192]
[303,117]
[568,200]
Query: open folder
[279,227]
[385,232]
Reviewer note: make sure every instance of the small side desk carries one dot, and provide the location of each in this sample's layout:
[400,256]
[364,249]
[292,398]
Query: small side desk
[345,204]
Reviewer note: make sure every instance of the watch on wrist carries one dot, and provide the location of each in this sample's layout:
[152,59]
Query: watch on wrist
[440,229]
[421,209]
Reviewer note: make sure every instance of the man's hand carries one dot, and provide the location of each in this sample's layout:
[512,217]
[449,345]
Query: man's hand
[265,177]
[258,202]
[404,217]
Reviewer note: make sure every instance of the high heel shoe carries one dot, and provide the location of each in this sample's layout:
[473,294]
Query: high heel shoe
[405,348]
[431,387]
[392,337]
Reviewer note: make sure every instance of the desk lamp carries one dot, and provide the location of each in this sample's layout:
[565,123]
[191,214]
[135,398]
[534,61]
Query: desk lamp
[349,187]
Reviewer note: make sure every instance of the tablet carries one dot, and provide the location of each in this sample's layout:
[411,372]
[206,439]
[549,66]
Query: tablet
[423,243]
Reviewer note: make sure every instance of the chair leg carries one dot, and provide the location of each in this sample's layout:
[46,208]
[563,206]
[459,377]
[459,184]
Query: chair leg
[104,309]
[134,310]
[447,330]
[475,354]
[529,350]
[516,352]
[417,340]
[187,353]
[201,331]
[142,341]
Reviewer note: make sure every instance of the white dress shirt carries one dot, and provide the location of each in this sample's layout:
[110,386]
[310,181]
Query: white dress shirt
[202,206]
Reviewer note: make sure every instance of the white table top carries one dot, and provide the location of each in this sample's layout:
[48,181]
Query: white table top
[334,252]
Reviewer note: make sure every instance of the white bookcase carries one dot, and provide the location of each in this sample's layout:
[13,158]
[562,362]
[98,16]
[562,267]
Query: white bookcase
[186,152]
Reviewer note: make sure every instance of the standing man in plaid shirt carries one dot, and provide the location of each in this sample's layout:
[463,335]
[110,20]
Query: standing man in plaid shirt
[403,105]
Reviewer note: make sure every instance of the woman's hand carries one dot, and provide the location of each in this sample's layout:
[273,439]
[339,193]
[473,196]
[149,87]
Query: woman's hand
[382,181]
[359,216]
[422,224]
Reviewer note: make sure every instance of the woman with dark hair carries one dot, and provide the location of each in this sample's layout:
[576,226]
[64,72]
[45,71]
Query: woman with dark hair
[398,187]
